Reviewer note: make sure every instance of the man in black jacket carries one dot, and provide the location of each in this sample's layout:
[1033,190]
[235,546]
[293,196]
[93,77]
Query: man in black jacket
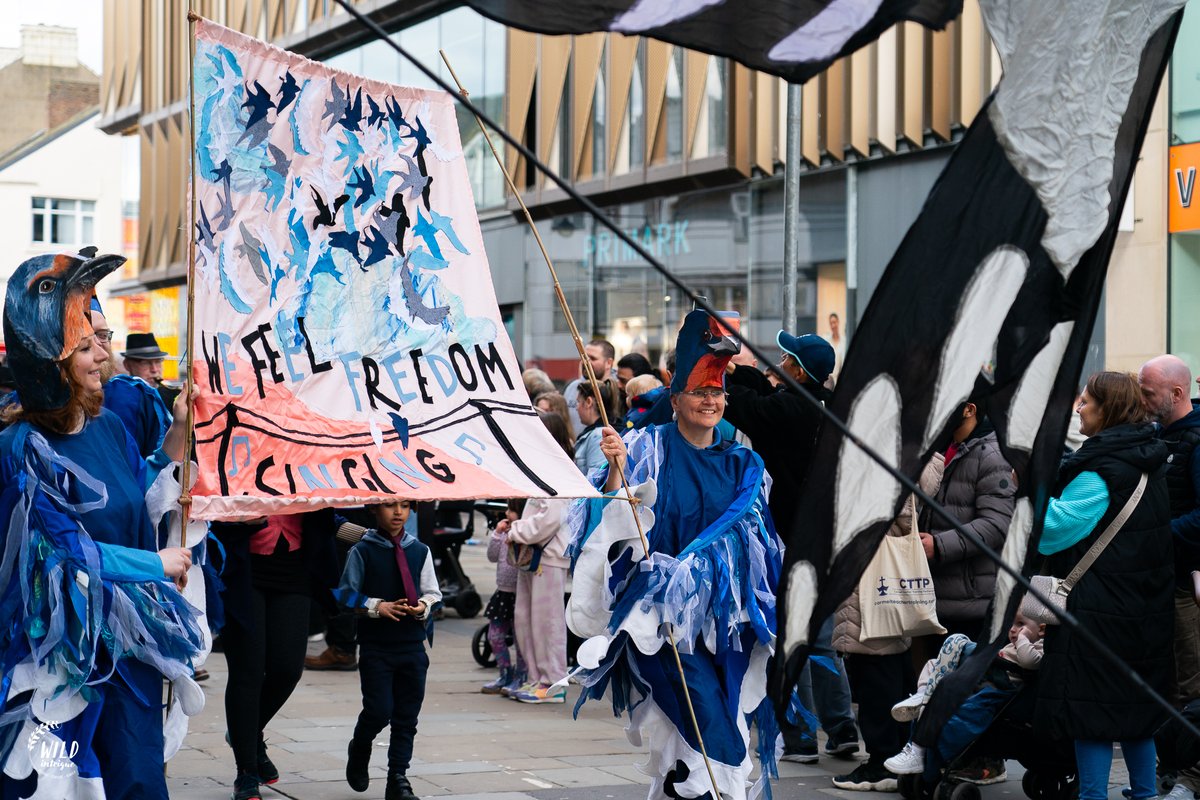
[1166,382]
[782,425]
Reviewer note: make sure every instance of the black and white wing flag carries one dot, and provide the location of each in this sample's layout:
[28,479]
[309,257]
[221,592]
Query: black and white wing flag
[992,295]
[794,39]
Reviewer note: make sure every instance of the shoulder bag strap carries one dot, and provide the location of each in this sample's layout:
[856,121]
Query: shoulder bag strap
[1114,527]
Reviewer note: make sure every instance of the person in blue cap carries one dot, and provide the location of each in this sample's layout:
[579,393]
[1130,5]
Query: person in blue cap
[782,425]
[711,575]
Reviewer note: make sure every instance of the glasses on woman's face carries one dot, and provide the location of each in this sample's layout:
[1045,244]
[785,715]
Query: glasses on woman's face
[711,393]
[105,336]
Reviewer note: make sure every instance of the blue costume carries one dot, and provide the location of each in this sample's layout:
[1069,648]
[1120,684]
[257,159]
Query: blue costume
[140,408]
[712,573]
[90,624]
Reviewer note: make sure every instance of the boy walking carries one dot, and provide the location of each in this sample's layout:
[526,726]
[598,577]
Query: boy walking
[389,576]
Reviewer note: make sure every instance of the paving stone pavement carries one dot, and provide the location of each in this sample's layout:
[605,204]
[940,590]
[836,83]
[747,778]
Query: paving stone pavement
[469,746]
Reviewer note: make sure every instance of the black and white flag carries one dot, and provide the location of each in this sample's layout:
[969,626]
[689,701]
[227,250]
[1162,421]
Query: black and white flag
[794,39]
[992,294]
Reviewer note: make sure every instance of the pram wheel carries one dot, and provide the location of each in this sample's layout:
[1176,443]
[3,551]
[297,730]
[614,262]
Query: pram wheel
[468,604]
[481,648]
[910,786]
[1039,785]
[964,791]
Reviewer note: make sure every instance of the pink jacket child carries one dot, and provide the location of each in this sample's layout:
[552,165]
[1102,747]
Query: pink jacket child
[539,617]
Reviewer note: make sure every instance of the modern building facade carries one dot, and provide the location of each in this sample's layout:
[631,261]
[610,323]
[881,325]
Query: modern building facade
[684,151]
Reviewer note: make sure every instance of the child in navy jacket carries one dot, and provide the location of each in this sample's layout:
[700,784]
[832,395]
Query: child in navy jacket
[389,576]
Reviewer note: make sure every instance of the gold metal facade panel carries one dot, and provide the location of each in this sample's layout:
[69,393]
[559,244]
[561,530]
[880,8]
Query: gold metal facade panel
[835,110]
[622,55]
[658,61]
[941,80]
[696,82]
[554,58]
[177,180]
[862,90]
[974,55]
[522,74]
[810,121]
[764,122]
[739,122]
[886,87]
[589,52]
[912,97]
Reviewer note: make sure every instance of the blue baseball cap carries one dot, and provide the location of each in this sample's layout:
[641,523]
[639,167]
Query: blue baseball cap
[812,352]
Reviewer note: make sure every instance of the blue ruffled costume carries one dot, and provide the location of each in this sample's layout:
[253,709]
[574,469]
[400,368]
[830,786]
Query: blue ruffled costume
[714,566]
[90,625]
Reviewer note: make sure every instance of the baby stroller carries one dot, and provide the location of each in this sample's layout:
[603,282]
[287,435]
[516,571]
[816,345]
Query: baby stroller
[1178,749]
[481,650]
[443,526]
[1050,772]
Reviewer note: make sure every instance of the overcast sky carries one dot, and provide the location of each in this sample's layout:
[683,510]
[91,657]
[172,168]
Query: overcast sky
[86,16]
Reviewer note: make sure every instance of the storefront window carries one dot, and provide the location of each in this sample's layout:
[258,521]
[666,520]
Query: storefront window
[726,244]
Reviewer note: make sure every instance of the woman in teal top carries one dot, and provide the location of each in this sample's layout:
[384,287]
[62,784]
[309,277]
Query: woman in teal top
[1125,598]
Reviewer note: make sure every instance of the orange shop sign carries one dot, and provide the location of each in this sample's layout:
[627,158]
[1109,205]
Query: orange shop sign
[1183,206]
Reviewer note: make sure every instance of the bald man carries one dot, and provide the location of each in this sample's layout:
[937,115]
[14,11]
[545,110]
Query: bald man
[1166,384]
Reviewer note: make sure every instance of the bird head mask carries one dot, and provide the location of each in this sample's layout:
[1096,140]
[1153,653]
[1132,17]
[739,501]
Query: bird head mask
[45,319]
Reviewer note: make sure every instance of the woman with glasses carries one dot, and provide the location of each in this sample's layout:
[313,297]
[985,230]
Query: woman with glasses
[709,582]
[94,620]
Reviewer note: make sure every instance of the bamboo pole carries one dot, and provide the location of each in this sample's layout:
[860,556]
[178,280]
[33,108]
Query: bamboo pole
[591,377]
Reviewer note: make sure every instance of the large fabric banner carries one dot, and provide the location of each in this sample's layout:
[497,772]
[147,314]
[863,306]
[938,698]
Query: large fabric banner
[348,347]
[794,39]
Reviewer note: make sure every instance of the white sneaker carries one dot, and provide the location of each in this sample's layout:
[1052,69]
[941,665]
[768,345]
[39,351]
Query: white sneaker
[1180,792]
[909,708]
[909,761]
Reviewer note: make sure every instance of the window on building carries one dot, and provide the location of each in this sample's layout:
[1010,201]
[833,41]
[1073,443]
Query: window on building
[674,151]
[59,221]
[637,110]
[600,120]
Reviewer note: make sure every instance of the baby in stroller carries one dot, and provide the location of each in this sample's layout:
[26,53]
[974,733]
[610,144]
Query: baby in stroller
[1003,679]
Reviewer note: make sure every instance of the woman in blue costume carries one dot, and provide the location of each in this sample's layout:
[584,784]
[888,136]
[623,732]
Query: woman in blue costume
[711,576]
[92,621]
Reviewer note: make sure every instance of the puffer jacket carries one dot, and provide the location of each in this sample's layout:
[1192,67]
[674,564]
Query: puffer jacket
[847,620]
[978,490]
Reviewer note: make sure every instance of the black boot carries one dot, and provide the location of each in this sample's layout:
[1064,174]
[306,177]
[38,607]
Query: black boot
[398,788]
[245,787]
[357,761]
[267,772]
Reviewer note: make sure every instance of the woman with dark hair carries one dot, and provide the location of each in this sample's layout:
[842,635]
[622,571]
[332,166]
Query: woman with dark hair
[92,619]
[631,366]
[587,445]
[538,616]
[555,403]
[1125,598]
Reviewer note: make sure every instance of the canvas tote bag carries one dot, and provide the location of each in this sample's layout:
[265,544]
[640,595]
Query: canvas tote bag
[895,593]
